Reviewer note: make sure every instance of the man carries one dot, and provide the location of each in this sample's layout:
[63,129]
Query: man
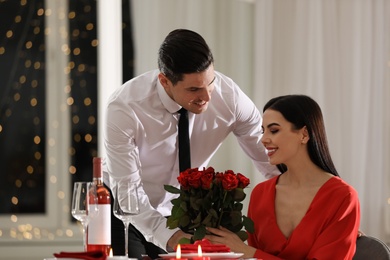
[141,134]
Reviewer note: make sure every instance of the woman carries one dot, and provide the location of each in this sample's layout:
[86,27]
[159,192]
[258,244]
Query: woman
[308,212]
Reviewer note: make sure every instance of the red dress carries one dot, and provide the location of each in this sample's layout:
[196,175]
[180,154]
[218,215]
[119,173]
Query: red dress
[327,231]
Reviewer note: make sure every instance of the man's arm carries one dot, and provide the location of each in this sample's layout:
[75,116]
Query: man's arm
[248,132]
[123,165]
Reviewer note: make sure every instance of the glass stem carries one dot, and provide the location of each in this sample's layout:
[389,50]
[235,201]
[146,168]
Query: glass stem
[85,236]
[126,238]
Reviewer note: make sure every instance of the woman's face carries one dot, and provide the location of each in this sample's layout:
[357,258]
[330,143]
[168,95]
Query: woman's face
[193,92]
[281,141]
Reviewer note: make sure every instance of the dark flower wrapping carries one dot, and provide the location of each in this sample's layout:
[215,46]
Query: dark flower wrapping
[209,199]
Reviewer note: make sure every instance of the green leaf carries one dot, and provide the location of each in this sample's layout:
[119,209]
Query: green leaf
[207,203]
[199,202]
[194,226]
[184,221]
[177,212]
[238,206]
[184,240]
[183,206]
[242,235]
[198,218]
[239,194]
[213,213]
[172,189]
[172,223]
[236,217]
[228,200]
[185,196]
[248,224]
[200,233]
[207,220]
[194,204]
[176,202]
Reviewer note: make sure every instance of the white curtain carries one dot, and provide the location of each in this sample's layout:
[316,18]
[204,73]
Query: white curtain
[338,52]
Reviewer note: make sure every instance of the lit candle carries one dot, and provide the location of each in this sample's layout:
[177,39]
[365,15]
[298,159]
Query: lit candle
[116,257]
[200,255]
[178,254]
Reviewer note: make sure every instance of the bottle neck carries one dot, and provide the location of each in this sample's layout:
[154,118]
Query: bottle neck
[98,181]
[97,175]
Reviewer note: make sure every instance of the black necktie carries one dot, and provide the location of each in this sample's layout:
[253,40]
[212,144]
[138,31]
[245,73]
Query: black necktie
[184,141]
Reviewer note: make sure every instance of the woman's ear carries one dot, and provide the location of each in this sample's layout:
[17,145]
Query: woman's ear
[305,135]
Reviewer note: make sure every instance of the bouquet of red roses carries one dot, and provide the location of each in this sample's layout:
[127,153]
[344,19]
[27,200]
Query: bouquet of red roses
[209,199]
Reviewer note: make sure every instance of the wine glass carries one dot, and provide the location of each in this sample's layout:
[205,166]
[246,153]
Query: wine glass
[84,205]
[125,206]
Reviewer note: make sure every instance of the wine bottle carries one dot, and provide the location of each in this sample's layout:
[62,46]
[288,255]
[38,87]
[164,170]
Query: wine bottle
[99,227]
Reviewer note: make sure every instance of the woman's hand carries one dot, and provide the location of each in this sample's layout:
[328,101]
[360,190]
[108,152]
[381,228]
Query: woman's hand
[226,237]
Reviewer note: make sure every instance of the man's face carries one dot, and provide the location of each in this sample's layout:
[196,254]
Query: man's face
[193,92]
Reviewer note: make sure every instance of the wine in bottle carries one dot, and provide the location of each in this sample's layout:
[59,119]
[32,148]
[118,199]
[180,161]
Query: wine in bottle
[99,227]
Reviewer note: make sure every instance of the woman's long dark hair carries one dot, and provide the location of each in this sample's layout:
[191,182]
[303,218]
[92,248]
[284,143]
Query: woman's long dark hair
[300,111]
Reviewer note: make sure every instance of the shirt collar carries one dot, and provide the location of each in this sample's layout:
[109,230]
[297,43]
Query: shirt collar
[166,100]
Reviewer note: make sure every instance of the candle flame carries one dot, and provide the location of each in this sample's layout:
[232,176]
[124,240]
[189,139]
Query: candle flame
[199,251]
[178,252]
[111,254]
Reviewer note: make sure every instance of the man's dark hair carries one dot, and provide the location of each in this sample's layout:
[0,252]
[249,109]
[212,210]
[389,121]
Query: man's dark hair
[183,52]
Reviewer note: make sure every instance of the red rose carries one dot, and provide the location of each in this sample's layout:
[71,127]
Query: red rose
[209,170]
[243,181]
[218,178]
[183,180]
[219,194]
[229,181]
[194,179]
[207,178]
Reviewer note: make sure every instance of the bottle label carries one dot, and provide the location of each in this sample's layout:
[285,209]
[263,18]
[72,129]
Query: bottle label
[99,227]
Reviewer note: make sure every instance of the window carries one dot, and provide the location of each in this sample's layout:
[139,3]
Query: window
[48,111]
[22,108]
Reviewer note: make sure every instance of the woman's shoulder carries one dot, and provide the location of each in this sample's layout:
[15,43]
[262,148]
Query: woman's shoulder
[266,185]
[338,186]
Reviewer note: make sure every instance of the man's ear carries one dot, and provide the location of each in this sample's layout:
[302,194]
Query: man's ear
[163,80]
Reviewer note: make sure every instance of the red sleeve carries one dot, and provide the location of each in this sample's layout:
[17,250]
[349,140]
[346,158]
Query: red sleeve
[339,237]
[261,195]
[261,255]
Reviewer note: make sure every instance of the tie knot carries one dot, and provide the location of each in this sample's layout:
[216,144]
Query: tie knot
[182,111]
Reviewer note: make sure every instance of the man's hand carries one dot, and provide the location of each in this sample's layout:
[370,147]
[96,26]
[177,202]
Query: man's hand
[174,240]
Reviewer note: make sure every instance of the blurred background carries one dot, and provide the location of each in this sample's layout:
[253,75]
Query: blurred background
[60,60]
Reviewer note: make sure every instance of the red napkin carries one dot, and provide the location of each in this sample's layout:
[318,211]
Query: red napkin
[91,255]
[206,245]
